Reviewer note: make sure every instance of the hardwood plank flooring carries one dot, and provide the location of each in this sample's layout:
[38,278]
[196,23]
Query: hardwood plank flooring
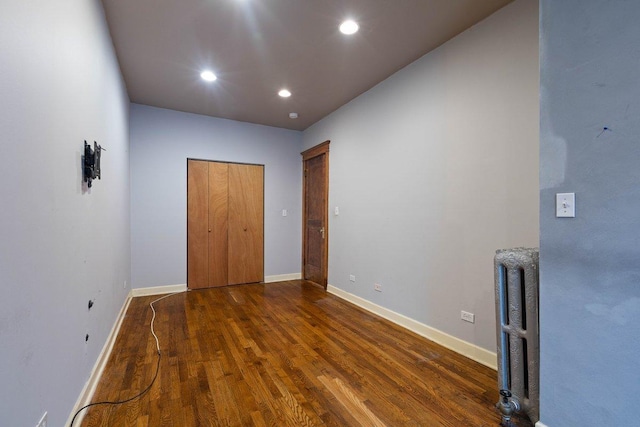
[285,354]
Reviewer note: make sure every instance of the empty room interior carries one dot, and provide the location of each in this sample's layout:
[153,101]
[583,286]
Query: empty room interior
[285,212]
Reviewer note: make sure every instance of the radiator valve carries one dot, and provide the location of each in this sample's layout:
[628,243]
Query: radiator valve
[507,406]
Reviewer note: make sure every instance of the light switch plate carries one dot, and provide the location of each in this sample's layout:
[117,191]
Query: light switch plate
[566,205]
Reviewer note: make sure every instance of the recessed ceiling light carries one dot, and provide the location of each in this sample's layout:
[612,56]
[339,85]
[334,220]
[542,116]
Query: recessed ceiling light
[284,93]
[349,27]
[208,76]
[293,115]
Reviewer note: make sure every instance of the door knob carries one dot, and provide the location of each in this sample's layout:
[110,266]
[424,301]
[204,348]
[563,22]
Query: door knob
[209,230]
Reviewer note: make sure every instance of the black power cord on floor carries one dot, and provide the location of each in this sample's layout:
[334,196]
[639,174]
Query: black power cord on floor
[120,402]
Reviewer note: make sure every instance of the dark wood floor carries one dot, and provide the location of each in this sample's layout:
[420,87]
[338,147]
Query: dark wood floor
[285,354]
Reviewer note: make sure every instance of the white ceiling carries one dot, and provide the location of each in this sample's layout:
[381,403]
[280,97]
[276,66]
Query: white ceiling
[257,47]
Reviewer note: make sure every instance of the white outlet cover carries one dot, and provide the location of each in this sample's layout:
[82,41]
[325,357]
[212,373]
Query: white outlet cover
[352,278]
[377,287]
[468,317]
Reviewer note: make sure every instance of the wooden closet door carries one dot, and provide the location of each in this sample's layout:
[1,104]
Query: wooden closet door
[218,223]
[246,223]
[197,224]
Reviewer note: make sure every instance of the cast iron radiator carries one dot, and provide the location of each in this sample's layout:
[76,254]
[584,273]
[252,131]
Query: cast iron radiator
[516,283]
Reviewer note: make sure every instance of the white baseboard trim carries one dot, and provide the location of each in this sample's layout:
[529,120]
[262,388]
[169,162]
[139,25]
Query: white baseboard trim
[170,289]
[539,424]
[92,383]
[465,348]
[157,290]
[282,277]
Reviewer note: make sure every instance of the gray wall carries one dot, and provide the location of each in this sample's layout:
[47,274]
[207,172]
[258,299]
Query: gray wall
[161,142]
[433,170]
[60,244]
[590,273]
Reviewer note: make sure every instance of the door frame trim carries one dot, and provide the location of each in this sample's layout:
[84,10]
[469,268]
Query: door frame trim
[318,150]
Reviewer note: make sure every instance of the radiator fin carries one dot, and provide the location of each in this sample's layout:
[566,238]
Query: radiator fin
[516,287]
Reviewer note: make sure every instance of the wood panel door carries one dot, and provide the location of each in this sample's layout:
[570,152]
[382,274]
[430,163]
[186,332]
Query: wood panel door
[197,224]
[218,224]
[315,214]
[225,225]
[246,223]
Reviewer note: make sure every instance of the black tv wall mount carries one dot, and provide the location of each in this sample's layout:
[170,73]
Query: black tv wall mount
[91,166]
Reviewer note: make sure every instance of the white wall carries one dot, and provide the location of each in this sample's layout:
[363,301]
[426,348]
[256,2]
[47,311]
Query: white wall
[161,142]
[589,265]
[60,244]
[433,170]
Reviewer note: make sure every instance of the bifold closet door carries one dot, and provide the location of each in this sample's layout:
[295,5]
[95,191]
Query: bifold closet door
[207,224]
[197,224]
[225,224]
[246,223]
[218,224]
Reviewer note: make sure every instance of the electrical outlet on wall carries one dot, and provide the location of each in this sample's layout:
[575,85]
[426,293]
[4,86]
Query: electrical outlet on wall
[352,278]
[377,287]
[468,317]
